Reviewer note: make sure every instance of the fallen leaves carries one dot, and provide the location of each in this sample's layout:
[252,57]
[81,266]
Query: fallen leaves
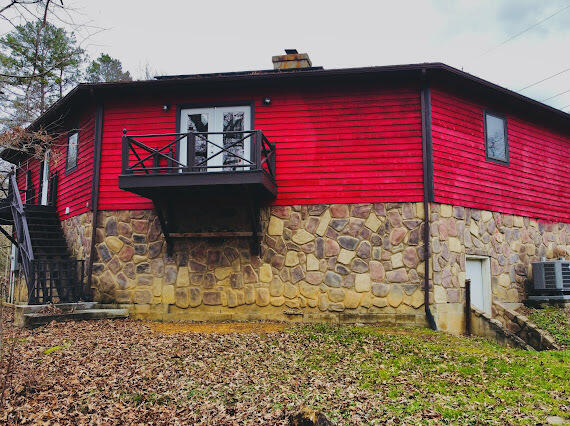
[125,371]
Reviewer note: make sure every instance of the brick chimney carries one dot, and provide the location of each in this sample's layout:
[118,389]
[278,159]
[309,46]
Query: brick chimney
[291,60]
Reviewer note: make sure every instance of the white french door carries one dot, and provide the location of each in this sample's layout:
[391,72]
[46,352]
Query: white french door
[216,120]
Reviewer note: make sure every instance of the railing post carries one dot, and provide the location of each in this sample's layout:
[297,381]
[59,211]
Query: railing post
[190,151]
[468,307]
[125,152]
[258,143]
[272,159]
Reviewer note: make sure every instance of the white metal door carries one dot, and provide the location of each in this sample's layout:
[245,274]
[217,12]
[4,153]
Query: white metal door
[45,181]
[216,120]
[480,291]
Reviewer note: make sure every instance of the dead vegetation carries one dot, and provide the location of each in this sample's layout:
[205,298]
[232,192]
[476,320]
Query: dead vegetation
[126,371]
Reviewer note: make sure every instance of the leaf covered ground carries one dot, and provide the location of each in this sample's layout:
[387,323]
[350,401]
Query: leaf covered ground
[125,371]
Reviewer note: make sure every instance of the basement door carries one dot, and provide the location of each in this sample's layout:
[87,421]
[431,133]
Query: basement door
[217,121]
[479,274]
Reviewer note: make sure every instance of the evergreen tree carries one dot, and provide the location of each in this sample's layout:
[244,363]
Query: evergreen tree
[38,63]
[106,69]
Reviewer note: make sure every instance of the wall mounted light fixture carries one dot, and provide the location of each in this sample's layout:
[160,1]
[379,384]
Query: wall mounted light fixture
[165,107]
[267,100]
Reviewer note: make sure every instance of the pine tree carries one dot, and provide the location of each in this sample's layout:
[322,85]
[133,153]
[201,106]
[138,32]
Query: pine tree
[38,63]
[106,69]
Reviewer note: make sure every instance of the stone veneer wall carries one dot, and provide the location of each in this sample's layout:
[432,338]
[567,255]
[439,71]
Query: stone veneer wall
[360,262]
[520,326]
[511,242]
[77,231]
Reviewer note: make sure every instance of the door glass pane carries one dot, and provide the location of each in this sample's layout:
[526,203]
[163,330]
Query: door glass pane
[199,123]
[233,122]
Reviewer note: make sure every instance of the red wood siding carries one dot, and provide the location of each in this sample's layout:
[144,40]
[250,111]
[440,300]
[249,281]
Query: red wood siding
[74,187]
[536,183]
[351,144]
[33,166]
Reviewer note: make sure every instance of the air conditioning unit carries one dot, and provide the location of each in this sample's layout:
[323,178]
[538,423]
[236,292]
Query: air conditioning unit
[551,277]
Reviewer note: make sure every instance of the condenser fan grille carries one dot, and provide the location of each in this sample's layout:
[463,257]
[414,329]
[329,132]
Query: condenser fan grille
[550,275]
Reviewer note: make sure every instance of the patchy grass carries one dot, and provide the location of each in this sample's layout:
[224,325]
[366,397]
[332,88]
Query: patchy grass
[554,320]
[135,372]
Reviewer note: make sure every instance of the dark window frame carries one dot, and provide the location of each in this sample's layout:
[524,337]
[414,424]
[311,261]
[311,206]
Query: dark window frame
[76,165]
[506,161]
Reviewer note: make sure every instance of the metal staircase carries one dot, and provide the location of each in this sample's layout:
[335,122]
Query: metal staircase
[51,274]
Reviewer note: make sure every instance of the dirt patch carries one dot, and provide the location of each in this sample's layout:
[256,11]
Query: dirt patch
[218,328]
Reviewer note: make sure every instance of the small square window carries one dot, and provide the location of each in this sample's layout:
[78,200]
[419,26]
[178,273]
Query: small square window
[496,141]
[72,147]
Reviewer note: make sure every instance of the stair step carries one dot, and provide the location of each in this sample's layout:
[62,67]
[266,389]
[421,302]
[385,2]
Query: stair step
[47,237]
[39,220]
[32,227]
[40,254]
[39,214]
[55,240]
[39,208]
[46,244]
[35,319]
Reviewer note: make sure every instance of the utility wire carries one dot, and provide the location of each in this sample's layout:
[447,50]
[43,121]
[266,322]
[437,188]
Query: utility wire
[544,79]
[555,96]
[526,30]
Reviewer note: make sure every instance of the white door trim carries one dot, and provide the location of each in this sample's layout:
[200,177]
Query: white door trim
[45,181]
[486,280]
[215,124]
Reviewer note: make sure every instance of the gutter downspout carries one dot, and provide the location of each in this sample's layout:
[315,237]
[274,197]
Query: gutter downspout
[95,192]
[425,99]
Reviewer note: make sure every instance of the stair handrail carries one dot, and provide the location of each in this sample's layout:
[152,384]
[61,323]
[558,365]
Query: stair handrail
[22,230]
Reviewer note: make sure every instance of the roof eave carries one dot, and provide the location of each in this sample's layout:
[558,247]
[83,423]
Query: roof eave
[101,89]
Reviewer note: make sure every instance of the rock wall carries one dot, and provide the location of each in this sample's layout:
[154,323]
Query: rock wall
[77,231]
[341,262]
[522,327]
[360,262]
[511,243]
[483,325]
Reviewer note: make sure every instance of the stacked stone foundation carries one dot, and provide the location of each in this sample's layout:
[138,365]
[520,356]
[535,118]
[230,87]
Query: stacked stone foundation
[340,262]
[359,262]
[510,242]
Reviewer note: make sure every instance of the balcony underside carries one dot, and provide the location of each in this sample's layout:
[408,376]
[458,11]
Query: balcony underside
[257,183]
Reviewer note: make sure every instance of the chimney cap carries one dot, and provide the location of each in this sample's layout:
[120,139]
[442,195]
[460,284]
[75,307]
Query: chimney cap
[291,51]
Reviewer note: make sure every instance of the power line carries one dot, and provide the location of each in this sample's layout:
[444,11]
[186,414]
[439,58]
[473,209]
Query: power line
[555,96]
[544,79]
[526,30]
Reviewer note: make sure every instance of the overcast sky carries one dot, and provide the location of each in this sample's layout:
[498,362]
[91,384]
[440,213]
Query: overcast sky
[187,37]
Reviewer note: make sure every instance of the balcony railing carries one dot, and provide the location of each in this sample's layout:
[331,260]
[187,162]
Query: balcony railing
[178,153]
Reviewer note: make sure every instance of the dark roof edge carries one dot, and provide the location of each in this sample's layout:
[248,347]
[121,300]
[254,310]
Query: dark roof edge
[92,88]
